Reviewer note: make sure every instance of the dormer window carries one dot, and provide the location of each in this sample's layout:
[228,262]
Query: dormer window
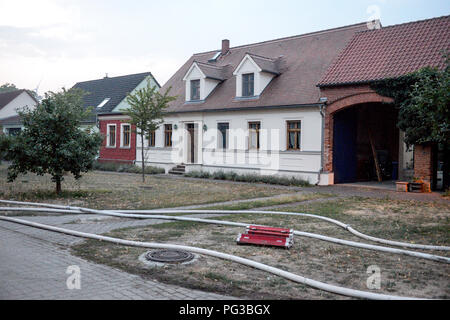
[248,85]
[195,90]
[253,75]
[201,79]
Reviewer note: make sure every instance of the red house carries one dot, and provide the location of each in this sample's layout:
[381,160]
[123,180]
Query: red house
[108,98]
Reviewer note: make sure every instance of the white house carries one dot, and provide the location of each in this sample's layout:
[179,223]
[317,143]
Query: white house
[10,103]
[258,108]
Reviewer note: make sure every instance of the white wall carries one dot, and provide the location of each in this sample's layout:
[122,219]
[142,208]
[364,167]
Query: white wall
[272,158]
[123,105]
[19,102]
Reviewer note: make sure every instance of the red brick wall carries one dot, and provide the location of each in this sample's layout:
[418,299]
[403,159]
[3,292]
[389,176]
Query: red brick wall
[117,154]
[340,98]
[423,162]
[336,93]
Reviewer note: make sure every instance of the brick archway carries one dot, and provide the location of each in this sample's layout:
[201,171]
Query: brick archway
[340,104]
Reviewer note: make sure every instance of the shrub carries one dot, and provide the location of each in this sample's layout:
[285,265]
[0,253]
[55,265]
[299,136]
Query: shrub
[130,168]
[252,178]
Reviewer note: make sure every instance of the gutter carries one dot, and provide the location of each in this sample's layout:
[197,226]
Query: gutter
[248,108]
[322,142]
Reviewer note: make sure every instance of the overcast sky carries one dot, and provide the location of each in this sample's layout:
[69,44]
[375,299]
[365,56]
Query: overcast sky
[59,42]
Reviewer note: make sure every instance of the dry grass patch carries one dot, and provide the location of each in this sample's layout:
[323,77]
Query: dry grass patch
[323,261]
[103,190]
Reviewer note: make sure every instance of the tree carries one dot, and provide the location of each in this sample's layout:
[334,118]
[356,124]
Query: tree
[8,87]
[423,100]
[52,141]
[146,113]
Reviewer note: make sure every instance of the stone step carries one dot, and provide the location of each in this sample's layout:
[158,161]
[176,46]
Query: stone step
[176,172]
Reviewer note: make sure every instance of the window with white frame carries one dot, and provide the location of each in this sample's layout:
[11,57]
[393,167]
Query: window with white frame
[253,138]
[293,134]
[111,136]
[125,142]
[223,133]
[152,138]
[168,135]
[248,85]
[195,90]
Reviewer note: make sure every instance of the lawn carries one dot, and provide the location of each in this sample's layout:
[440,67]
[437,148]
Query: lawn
[410,221]
[340,265]
[104,190]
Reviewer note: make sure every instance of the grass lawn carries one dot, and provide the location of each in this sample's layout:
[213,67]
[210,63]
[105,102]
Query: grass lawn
[103,190]
[426,223]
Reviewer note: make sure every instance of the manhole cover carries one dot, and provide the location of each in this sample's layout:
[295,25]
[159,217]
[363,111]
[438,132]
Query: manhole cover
[169,256]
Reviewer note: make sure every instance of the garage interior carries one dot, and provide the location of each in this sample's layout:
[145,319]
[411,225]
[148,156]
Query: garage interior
[359,133]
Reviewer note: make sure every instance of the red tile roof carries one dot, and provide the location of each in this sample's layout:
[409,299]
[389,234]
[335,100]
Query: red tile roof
[391,52]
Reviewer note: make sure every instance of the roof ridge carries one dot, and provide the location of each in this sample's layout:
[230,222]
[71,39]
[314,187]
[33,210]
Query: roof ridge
[13,91]
[126,75]
[332,75]
[262,57]
[209,65]
[404,24]
[289,37]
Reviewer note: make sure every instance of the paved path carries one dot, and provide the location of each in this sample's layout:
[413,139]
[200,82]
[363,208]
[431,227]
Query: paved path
[33,265]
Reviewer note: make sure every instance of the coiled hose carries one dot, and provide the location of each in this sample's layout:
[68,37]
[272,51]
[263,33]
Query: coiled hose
[72,210]
[257,265]
[336,222]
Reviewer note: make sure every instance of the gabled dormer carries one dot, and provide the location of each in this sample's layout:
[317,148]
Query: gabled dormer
[253,75]
[201,79]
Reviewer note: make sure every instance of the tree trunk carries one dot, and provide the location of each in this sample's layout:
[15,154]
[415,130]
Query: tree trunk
[58,185]
[142,155]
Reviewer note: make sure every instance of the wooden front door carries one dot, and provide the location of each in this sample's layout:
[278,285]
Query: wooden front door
[191,142]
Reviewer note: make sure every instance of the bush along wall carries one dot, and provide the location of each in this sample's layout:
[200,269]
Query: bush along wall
[252,178]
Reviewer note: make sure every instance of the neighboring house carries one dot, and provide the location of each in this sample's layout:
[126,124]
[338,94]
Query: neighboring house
[107,96]
[10,102]
[258,108]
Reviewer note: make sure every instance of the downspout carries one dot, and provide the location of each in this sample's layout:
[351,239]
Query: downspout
[322,142]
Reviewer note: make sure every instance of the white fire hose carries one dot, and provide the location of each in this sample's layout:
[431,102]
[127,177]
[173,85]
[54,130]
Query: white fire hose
[285,274]
[72,210]
[336,222]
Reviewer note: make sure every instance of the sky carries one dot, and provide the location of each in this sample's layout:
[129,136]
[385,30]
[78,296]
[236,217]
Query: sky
[50,44]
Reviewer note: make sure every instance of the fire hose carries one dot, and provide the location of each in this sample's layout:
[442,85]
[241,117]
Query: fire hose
[69,209]
[336,222]
[257,265]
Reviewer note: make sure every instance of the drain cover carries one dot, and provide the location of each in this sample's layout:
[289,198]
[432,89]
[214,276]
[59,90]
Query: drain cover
[169,256]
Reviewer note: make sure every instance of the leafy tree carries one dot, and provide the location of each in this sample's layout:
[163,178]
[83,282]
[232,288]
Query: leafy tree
[423,100]
[52,141]
[146,112]
[8,87]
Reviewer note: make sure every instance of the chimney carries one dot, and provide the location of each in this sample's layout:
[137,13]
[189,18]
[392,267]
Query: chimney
[225,46]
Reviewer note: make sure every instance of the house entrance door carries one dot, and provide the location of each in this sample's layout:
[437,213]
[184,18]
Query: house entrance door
[191,142]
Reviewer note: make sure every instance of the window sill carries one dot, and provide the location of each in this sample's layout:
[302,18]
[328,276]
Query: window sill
[110,147]
[125,148]
[194,102]
[238,99]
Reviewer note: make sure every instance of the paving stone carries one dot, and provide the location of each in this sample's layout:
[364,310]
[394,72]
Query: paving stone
[33,266]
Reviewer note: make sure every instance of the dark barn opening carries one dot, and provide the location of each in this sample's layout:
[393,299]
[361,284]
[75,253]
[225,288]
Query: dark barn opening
[360,132]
